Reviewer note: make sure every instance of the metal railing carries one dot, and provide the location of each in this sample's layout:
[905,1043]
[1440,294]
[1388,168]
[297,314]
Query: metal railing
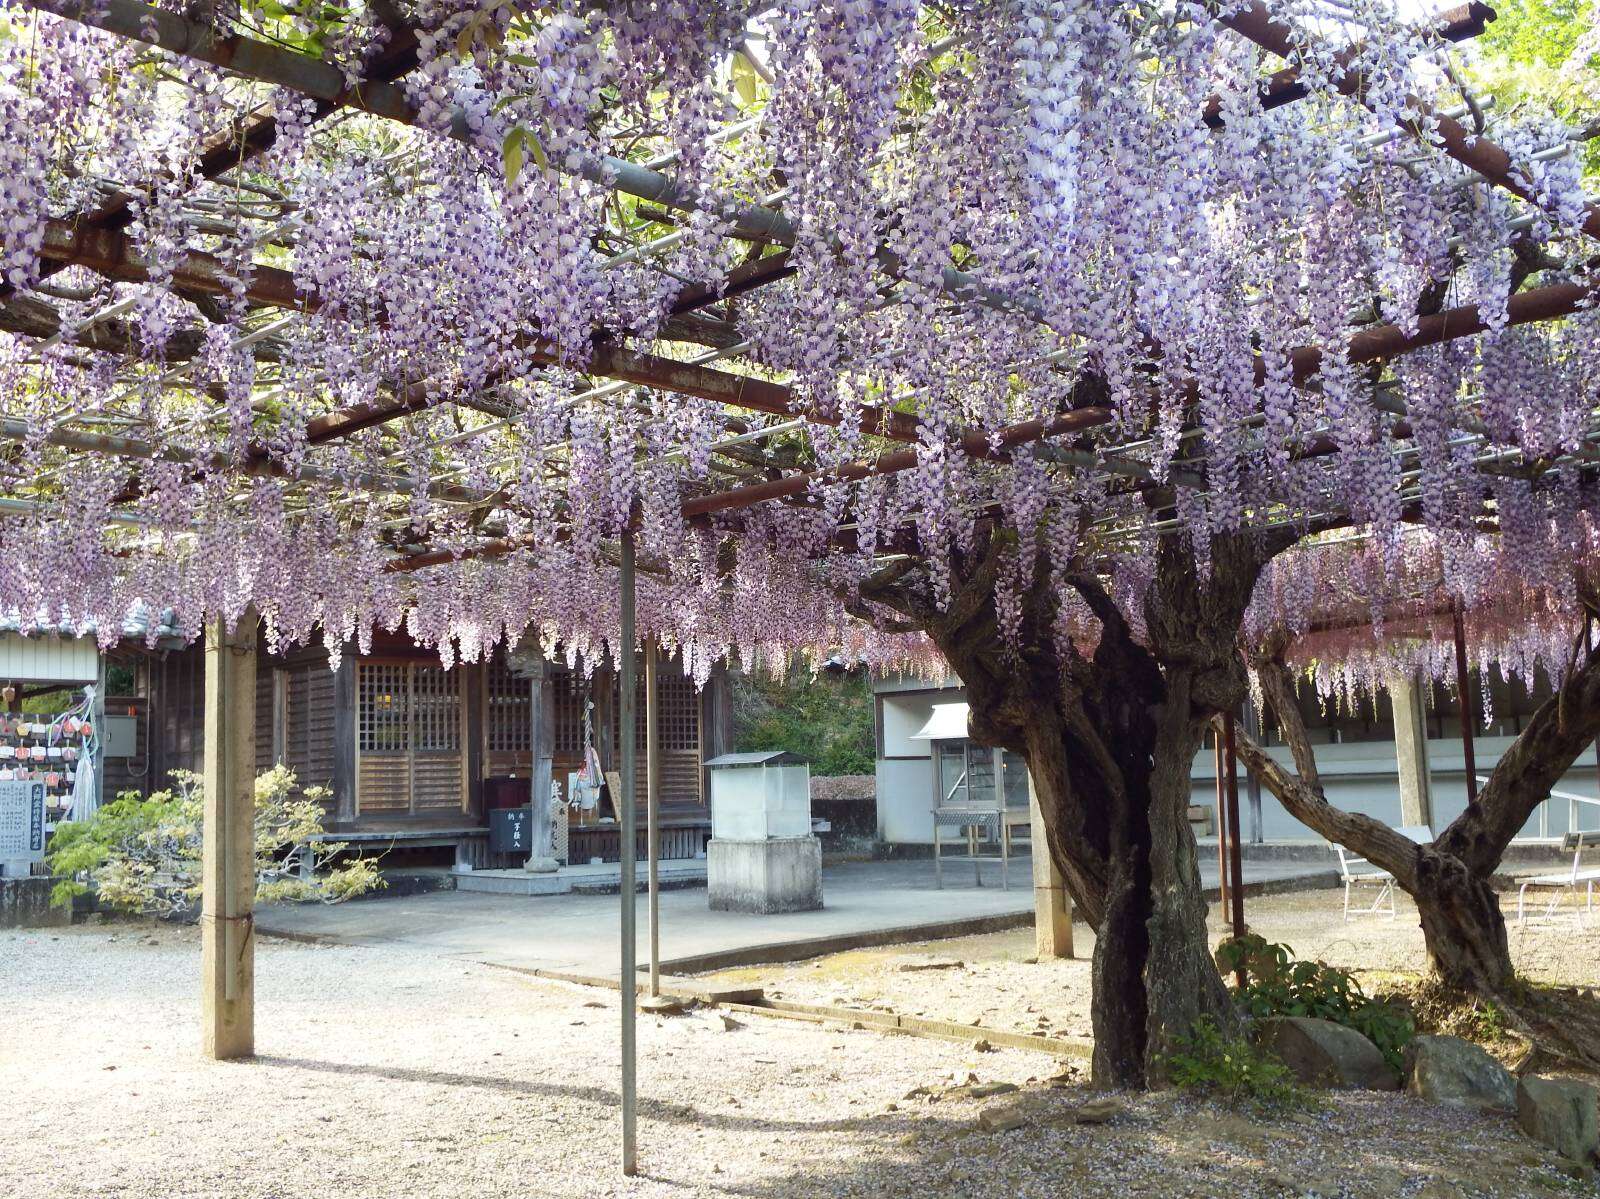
[1575,804]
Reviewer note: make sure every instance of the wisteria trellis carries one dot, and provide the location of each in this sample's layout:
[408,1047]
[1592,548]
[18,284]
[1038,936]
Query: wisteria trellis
[377,315]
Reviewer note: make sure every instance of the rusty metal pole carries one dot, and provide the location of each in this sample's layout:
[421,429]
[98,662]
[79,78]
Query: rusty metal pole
[1588,656]
[1235,851]
[1465,695]
[1221,822]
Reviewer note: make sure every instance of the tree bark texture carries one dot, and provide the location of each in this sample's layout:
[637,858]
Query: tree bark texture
[1109,736]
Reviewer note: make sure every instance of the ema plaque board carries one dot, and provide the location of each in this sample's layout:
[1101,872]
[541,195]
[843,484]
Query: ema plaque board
[21,824]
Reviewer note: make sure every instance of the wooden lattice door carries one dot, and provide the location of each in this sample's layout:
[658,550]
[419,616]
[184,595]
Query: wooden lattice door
[679,729]
[409,759]
[508,720]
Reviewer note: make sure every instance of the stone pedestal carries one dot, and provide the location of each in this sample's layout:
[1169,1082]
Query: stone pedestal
[25,903]
[774,874]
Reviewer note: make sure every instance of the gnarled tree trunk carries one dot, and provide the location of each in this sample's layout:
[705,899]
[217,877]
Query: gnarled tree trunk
[1112,782]
[1109,739]
[1462,926]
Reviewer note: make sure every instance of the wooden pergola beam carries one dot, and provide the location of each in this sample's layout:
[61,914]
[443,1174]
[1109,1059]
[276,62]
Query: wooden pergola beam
[1477,153]
[900,460]
[114,446]
[1383,342]
[110,253]
[327,84]
[233,148]
[1458,24]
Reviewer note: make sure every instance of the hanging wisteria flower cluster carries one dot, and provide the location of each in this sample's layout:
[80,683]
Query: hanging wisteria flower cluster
[1315,607]
[404,319]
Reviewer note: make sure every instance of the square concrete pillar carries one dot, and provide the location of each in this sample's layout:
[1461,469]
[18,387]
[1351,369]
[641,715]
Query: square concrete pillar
[228,874]
[1411,750]
[1052,907]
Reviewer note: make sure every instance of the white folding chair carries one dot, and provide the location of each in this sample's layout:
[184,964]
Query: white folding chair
[1561,883]
[1352,874]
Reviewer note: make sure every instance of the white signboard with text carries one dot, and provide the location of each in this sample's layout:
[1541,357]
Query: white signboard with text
[21,825]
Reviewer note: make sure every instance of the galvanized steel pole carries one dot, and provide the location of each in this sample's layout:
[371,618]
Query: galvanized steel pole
[652,805]
[627,816]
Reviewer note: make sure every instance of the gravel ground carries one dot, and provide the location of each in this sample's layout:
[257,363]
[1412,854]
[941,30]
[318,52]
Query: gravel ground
[386,1072]
[999,985]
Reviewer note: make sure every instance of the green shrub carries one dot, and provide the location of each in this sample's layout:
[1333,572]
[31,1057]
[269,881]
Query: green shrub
[827,720]
[1233,1070]
[143,855]
[1278,984]
[1486,1021]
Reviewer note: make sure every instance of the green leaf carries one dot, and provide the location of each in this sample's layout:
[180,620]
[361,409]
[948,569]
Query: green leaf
[745,78]
[511,153]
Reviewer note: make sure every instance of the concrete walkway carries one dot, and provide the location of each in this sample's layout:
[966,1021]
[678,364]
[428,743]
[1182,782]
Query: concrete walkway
[867,903]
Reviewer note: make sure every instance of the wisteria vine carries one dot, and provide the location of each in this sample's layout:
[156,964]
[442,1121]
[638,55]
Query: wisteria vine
[992,214]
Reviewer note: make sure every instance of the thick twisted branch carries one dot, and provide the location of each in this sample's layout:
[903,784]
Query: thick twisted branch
[1370,838]
[1564,726]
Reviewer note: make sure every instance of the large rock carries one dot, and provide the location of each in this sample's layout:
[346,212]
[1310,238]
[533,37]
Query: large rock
[1450,1070]
[1321,1053]
[1563,1114]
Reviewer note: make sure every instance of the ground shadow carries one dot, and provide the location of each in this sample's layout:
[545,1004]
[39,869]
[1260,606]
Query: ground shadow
[650,1107]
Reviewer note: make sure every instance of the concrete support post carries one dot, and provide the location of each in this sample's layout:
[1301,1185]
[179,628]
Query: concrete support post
[1052,907]
[228,877]
[1464,692]
[1252,725]
[1411,749]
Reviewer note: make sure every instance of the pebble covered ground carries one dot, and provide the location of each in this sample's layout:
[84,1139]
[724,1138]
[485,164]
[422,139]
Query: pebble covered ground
[387,1072]
[993,980]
